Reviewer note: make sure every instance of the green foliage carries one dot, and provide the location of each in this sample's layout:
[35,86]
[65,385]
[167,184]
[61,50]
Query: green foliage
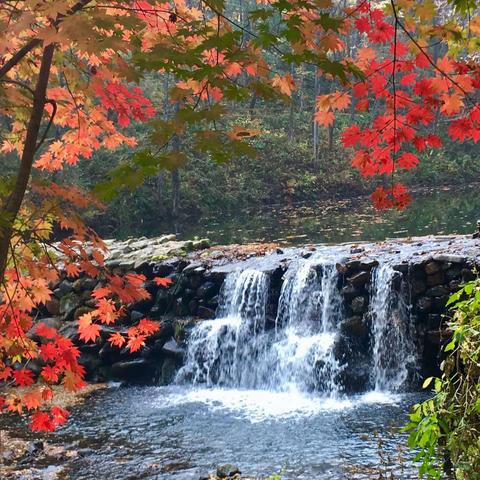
[446,428]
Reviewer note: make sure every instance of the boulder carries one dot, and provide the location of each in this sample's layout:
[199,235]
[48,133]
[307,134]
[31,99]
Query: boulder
[173,349]
[359,304]
[436,279]
[81,311]
[63,288]
[454,272]
[205,312]
[451,258]
[467,275]
[53,322]
[359,279]
[70,330]
[207,290]
[53,306]
[134,371]
[169,369]
[432,267]
[227,471]
[437,291]
[418,286]
[68,304]
[424,304]
[135,316]
[349,292]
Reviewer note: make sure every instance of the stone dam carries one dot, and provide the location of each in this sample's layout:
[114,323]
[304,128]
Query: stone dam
[331,319]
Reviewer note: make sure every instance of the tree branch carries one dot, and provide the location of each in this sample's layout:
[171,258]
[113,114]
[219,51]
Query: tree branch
[35,42]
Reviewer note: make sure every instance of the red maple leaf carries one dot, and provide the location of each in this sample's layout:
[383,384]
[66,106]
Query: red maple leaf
[45,331]
[50,374]
[408,160]
[42,422]
[23,377]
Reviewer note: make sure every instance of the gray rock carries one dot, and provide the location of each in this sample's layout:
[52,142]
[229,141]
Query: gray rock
[91,362]
[454,272]
[432,267]
[207,290]
[359,279]
[424,304]
[454,285]
[359,304]
[349,292]
[205,312]
[52,322]
[81,311]
[190,269]
[68,304]
[418,286]
[173,349]
[135,316]
[53,306]
[70,330]
[355,328]
[436,279]
[130,370]
[227,471]
[437,291]
[467,275]
[368,264]
[446,257]
[402,267]
[169,369]
[63,288]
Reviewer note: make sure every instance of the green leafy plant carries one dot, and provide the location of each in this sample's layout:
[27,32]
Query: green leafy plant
[445,429]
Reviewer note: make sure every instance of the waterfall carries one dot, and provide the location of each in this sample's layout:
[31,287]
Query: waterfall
[236,349]
[226,351]
[297,353]
[393,347]
[310,310]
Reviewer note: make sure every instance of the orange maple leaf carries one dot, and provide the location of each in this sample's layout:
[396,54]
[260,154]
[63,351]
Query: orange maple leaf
[163,281]
[117,339]
[32,400]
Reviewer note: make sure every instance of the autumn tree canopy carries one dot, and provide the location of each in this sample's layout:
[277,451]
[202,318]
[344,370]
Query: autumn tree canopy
[70,85]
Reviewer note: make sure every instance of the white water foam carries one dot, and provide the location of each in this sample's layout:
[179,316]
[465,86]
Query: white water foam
[254,405]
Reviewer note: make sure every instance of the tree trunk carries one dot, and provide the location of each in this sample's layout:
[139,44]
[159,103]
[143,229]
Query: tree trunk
[12,205]
[175,182]
[315,124]
[291,119]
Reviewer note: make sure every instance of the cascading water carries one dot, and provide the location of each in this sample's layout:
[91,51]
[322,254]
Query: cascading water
[393,348]
[307,325]
[226,351]
[236,350]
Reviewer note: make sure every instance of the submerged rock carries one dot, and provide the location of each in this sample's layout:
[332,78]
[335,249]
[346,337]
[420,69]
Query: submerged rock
[228,471]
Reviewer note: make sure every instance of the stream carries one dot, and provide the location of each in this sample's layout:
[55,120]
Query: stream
[183,433]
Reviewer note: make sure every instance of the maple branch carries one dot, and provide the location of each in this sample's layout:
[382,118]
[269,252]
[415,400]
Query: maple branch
[13,203]
[53,103]
[429,59]
[20,84]
[394,87]
[35,42]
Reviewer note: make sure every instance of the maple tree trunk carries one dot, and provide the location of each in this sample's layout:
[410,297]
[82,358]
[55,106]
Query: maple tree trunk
[291,116]
[13,203]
